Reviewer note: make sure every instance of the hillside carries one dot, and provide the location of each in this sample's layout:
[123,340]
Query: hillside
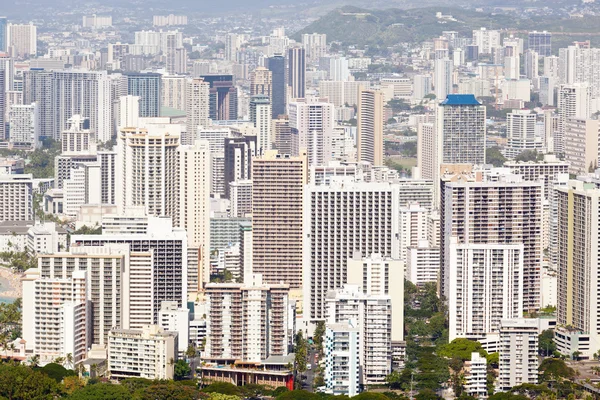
[352,25]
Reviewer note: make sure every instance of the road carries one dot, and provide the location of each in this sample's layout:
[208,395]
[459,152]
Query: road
[307,384]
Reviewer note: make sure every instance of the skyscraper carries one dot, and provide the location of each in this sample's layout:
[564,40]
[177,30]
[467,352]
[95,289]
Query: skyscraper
[508,212]
[223,97]
[3,33]
[83,93]
[2,104]
[577,265]
[196,106]
[22,40]
[312,121]
[340,220]
[278,182]
[276,65]
[24,122]
[540,42]
[520,130]
[260,116]
[574,100]
[370,126]
[261,82]
[147,86]
[37,88]
[239,152]
[315,45]
[442,78]
[297,73]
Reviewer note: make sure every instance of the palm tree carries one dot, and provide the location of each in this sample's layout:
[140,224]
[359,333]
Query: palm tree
[69,360]
[80,369]
[34,361]
[59,360]
[93,370]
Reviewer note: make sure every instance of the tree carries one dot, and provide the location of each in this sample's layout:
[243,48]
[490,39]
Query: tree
[493,359]
[461,348]
[301,352]
[427,394]
[318,335]
[298,395]
[72,384]
[34,361]
[19,382]
[555,369]
[134,384]
[190,352]
[529,155]
[169,391]
[182,370]
[222,387]
[57,371]
[530,391]
[494,156]
[546,345]
[101,391]
[506,396]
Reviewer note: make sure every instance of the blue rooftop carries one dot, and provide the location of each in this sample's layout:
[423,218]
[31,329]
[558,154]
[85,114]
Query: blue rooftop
[460,100]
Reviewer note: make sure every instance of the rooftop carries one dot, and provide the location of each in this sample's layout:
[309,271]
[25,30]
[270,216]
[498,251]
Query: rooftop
[460,100]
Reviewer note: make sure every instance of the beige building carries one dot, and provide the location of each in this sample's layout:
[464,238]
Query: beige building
[21,40]
[278,183]
[370,126]
[581,144]
[16,192]
[196,105]
[148,353]
[261,82]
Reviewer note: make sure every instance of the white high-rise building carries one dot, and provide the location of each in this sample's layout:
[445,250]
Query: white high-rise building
[312,121]
[338,69]
[520,130]
[167,20]
[575,65]
[174,91]
[196,106]
[240,196]
[373,316]
[260,116]
[369,121]
[233,43]
[246,321]
[573,101]
[148,171]
[581,144]
[442,79]
[421,86]
[512,67]
[17,194]
[24,123]
[342,358]
[365,220]
[194,202]
[413,227]
[486,285]
[149,353]
[341,93]
[315,45]
[374,274]
[532,61]
[83,187]
[97,21]
[173,318]
[476,376]
[129,112]
[86,94]
[423,263]
[21,40]
[486,40]
[518,349]
[77,137]
[506,212]
[58,315]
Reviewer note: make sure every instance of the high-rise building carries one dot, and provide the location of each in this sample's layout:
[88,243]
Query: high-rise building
[342,358]
[370,126]
[578,277]
[315,45]
[82,187]
[461,131]
[167,20]
[239,152]
[233,43]
[37,88]
[17,194]
[540,42]
[3,34]
[247,321]
[194,203]
[223,97]
[108,168]
[278,183]
[520,131]
[147,86]
[260,116]
[486,285]
[96,21]
[129,112]
[507,212]
[573,101]
[344,218]
[282,132]
[56,315]
[261,82]
[24,124]
[312,122]
[413,226]
[149,353]
[174,91]
[338,69]
[532,60]
[373,275]
[197,108]
[476,376]
[77,138]
[372,314]
[148,171]
[296,73]
[158,261]
[518,353]
[276,65]
[581,142]
[486,40]
[21,40]
[442,77]
[240,196]
[574,67]
[421,86]
[423,263]
[83,93]
[3,105]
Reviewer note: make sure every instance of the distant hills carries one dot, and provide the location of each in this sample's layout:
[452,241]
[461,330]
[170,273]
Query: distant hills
[353,25]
